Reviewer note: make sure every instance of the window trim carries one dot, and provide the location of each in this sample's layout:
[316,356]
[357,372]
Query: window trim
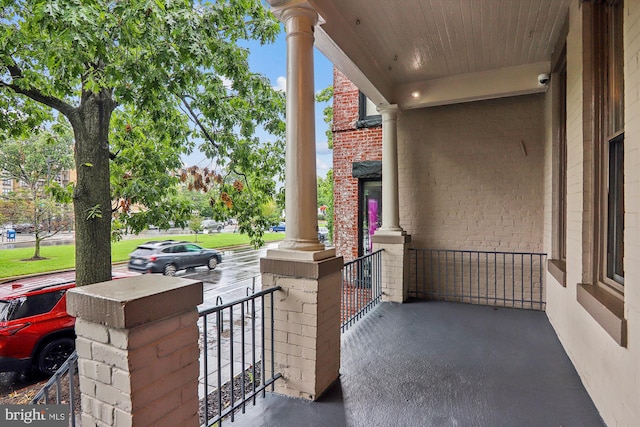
[365,121]
[557,264]
[605,134]
[603,302]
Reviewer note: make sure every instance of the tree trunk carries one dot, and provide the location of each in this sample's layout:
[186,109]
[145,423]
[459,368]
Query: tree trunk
[92,196]
[36,254]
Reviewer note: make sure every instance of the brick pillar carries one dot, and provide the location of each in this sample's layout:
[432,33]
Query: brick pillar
[137,344]
[395,264]
[307,323]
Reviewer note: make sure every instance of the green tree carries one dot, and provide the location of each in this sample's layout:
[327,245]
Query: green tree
[34,162]
[325,185]
[153,75]
[326,95]
[325,197]
[195,225]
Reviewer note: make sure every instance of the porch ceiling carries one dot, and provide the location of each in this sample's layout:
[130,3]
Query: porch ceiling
[417,53]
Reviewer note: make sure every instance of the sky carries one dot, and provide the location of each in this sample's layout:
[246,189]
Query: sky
[270,61]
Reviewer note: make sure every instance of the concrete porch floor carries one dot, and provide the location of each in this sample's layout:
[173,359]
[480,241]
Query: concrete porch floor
[443,364]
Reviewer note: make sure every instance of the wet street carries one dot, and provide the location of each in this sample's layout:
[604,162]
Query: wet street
[234,278]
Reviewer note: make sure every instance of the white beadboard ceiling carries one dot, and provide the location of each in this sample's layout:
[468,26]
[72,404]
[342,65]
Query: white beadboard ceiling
[430,52]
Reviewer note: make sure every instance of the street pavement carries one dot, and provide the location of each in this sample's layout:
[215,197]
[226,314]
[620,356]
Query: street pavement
[237,276]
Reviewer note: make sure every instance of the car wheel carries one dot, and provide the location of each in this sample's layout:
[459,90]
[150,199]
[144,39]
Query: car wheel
[219,229]
[169,270]
[213,263]
[54,354]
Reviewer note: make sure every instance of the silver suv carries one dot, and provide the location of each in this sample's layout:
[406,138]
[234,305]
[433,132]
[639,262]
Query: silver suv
[209,225]
[169,256]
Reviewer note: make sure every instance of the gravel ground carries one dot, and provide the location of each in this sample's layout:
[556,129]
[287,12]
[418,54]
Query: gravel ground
[213,409]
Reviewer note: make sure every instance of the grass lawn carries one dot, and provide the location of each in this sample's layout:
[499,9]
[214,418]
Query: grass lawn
[14,262]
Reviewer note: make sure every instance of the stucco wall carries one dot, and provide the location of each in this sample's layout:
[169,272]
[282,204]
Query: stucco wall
[466,182]
[610,373]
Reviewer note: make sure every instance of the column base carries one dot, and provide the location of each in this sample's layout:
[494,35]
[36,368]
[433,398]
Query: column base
[392,231]
[284,253]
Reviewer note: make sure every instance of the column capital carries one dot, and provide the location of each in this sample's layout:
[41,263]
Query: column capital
[288,10]
[391,110]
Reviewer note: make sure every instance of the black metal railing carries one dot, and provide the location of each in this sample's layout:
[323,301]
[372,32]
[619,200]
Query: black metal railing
[506,279]
[233,338]
[361,287]
[62,388]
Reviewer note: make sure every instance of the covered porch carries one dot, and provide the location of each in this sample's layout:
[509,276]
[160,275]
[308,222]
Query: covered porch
[438,363]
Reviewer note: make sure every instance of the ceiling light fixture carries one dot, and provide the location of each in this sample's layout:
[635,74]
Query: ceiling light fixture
[415,94]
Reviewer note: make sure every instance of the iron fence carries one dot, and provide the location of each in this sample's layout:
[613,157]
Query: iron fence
[361,287]
[233,339]
[62,388]
[507,279]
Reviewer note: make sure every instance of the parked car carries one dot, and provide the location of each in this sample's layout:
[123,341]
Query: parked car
[35,330]
[169,256]
[24,228]
[280,227]
[209,225]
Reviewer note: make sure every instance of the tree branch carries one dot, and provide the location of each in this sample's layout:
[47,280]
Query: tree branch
[197,121]
[246,179]
[36,95]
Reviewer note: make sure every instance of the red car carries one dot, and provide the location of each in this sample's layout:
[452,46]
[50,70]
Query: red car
[35,329]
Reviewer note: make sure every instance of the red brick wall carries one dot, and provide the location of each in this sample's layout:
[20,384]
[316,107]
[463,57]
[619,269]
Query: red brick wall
[349,145]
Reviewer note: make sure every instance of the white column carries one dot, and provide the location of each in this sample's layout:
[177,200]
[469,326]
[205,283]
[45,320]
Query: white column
[300,174]
[390,203]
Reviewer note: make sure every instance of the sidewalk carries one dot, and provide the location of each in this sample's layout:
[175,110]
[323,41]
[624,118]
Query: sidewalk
[27,239]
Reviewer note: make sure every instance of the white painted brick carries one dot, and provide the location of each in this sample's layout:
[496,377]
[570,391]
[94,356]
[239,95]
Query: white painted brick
[88,386]
[302,341]
[121,380]
[176,341]
[165,393]
[303,319]
[83,348]
[109,355]
[87,420]
[122,418]
[92,331]
[95,370]
[112,396]
[119,338]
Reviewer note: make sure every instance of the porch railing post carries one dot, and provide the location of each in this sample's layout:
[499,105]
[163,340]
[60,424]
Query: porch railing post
[395,264]
[305,343]
[137,345]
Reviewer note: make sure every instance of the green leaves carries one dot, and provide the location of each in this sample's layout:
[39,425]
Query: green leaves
[61,194]
[326,95]
[168,75]
[93,212]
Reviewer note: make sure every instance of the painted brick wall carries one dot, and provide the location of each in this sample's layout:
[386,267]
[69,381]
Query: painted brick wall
[610,373]
[465,180]
[464,169]
[349,145]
